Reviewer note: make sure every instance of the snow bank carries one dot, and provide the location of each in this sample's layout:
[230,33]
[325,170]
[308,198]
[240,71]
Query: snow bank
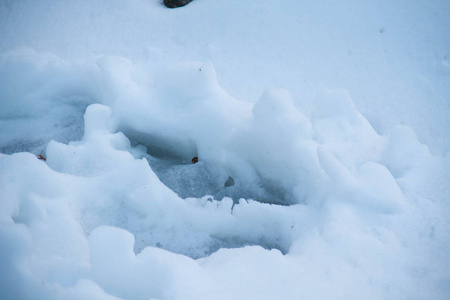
[295,194]
[103,200]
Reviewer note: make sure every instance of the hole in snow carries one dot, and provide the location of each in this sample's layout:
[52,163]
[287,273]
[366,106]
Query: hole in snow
[173,163]
[32,132]
[211,183]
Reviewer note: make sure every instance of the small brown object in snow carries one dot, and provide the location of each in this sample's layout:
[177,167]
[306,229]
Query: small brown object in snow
[41,157]
[195,160]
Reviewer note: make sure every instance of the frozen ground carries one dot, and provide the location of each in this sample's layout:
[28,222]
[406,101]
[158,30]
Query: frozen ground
[322,132]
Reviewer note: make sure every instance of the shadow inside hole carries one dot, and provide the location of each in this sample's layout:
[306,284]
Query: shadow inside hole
[178,166]
[160,148]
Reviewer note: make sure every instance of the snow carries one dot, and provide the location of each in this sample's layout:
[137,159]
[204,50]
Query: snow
[321,131]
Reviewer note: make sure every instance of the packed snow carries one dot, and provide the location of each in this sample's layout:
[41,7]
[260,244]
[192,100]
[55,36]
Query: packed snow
[321,131]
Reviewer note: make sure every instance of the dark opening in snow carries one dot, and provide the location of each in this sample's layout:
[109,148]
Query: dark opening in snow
[173,164]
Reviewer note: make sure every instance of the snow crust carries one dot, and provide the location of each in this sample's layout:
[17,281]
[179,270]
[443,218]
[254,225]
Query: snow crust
[321,189]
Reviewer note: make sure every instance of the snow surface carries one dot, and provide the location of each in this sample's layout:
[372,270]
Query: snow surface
[322,132]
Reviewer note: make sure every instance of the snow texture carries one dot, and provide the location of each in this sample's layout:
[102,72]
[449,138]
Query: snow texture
[321,131]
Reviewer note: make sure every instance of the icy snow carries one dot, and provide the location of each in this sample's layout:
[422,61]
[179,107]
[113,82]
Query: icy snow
[321,130]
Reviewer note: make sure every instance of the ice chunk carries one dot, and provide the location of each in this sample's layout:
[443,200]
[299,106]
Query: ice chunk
[379,190]
[276,142]
[372,186]
[276,109]
[16,276]
[85,289]
[94,154]
[96,120]
[117,269]
[404,152]
[343,130]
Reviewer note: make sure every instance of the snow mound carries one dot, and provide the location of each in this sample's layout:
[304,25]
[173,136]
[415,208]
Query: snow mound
[269,174]
[172,165]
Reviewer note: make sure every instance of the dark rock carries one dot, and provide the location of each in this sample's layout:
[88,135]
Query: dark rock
[229,182]
[175,3]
